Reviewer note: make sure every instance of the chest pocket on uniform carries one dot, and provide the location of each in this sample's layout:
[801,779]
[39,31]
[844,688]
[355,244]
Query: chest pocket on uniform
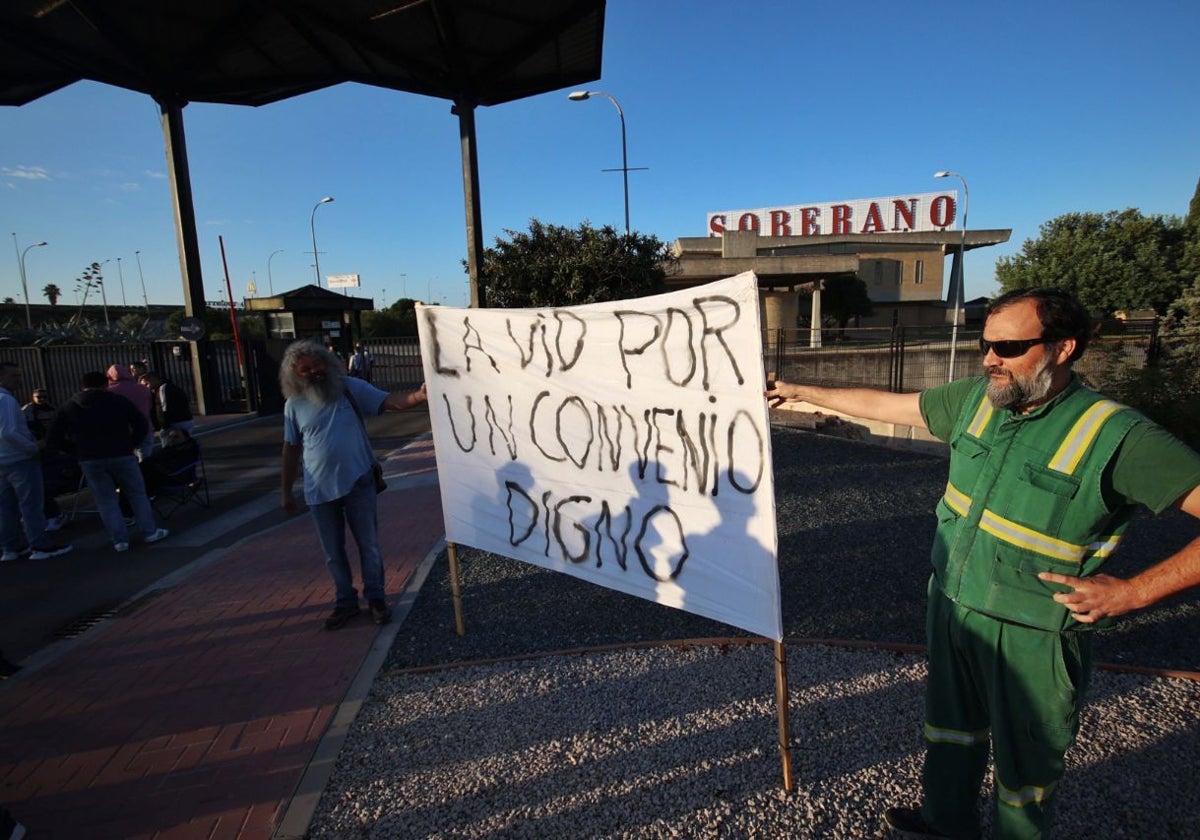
[1041,498]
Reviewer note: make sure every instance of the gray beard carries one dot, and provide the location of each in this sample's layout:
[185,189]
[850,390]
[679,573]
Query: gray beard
[327,391]
[1021,390]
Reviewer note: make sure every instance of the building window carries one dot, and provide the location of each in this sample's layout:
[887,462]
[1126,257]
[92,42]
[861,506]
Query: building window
[919,272]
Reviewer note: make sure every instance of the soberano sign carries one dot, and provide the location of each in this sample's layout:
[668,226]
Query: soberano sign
[625,443]
[891,214]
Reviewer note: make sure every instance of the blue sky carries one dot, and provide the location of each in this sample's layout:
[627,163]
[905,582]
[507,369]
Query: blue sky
[1044,107]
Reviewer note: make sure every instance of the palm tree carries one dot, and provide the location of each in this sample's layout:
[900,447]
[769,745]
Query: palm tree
[52,293]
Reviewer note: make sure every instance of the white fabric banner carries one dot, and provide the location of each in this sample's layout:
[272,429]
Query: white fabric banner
[625,443]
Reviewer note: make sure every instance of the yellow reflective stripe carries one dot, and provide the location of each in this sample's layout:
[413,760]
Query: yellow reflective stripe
[937,735]
[1105,547]
[1077,441]
[982,415]
[956,500]
[1024,796]
[1022,537]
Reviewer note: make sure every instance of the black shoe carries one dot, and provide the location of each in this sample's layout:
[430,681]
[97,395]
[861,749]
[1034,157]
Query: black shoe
[7,669]
[340,616]
[380,613]
[908,823]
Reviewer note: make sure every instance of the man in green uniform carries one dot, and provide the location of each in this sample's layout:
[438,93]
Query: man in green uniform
[1044,478]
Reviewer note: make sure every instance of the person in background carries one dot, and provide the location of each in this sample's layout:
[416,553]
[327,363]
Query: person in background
[137,368]
[60,473]
[361,362]
[101,428]
[21,491]
[171,409]
[121,381]
[1044,478]
[323,432]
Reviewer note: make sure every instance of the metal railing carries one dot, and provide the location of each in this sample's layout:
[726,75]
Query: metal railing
[905,359]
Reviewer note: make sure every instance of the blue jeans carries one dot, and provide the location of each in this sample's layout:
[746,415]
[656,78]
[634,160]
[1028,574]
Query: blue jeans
[21,501]
[104,476]
[356,509]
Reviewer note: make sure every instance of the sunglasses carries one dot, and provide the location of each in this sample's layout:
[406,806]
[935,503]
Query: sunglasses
[1011,349]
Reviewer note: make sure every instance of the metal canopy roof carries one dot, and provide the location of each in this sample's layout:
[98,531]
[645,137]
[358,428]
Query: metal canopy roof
[253,52]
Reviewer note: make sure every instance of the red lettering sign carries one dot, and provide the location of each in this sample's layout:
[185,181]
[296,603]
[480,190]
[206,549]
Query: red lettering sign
[716,225]
[810,221]
[874,222]
[781,223]
[904,213]
[841,218]
[748,221]
[942,211]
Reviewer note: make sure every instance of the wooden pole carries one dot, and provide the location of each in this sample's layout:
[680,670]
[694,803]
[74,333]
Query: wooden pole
[452,553]
[781,702]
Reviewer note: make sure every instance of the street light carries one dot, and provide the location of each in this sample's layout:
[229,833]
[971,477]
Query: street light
[270,282]
[579,96]
[24,283]
[312,223]
[121,276]
[962,261]
[145,299]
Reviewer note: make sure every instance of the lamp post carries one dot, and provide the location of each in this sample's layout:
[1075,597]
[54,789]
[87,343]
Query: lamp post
[312,224]
[579,96]
[145,299]
[962,264]
[24,282]
[270,282]
[121,277]
[103,294]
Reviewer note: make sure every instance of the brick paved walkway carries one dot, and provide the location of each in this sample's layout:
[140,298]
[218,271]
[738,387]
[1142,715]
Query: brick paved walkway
[195,715]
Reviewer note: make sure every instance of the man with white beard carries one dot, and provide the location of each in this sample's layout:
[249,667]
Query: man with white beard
[323,430]
[1045,475]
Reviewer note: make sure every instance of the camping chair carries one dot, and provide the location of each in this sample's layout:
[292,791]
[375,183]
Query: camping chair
[181,480]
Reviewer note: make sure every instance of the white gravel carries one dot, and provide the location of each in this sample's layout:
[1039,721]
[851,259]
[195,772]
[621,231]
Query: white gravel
[681,742]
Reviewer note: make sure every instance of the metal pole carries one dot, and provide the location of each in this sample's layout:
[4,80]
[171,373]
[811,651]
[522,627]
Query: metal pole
[121,277]
[142,278]
[961,269]
[312,223]
[24,280]
[270,281]
[579,96]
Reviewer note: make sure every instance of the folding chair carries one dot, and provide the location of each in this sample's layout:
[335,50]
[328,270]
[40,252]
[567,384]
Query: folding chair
[185,483]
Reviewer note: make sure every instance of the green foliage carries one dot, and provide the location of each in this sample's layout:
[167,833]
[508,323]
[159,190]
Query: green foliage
[398,320]
[1111,261]
[1189,262]
[844,298]
[559,266]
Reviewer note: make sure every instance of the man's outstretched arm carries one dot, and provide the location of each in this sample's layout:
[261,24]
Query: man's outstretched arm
[868,403]
[400,401]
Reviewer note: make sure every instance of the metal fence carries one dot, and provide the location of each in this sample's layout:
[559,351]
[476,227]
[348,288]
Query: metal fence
[905,359]
[60,368]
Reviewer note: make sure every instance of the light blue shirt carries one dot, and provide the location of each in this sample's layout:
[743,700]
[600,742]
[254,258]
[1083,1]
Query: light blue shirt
[337,452]
[16,441]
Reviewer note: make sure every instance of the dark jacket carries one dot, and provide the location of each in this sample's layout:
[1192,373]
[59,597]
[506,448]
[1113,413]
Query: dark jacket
[97,424]
[170,405]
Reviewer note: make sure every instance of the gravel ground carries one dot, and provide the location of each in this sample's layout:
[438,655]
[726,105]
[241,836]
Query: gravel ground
[680,740]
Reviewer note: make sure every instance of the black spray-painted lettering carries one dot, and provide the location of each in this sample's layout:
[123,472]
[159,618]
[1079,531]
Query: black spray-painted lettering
[690,451]
[472,340]
[438,365]
[558,525]
[732,312]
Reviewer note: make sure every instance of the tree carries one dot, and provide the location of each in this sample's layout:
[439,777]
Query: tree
[844,298]
[52,293]
[1110,261]
[1189,262]
[559,266]
[397,320]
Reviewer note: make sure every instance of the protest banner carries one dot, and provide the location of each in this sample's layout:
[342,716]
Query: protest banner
[625,443]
